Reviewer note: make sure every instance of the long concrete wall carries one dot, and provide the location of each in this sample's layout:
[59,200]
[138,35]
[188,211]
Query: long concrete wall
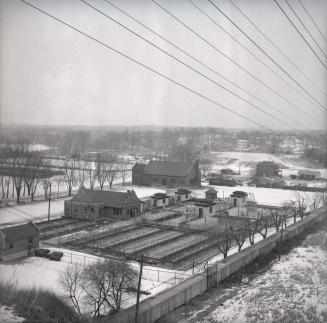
[153,308]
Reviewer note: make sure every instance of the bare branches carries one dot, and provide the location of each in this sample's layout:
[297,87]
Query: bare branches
[224,242]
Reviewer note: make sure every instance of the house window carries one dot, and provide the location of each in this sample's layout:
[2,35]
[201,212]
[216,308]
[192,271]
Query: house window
[186,196]
[164,201]
[30,240]
[117,211]
[210,209]
[178,198]
[11,244]
[92,209]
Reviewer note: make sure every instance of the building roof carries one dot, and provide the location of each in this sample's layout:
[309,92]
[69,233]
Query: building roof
[168,168]
[20,231]
[239,194]
[109,198]
[139,167]
[204,202]
[211,190]
[159,196]
[308,172]
[183,191]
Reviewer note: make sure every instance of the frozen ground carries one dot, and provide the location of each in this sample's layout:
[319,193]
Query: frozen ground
[41,272]
[7,315]
[292,289]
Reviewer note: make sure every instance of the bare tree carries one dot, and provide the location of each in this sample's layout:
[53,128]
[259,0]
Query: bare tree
[316,200]
[69,174]
[105,283]
[224,241]
[71,279]
[300,203]
[263,225]
[239,235]
[123,170]
[101,169]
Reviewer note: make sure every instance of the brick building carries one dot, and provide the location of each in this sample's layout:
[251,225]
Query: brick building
[18,241]
[95,204]
[167,173]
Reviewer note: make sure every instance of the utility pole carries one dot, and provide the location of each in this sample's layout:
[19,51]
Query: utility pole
[49,203]
[138,289]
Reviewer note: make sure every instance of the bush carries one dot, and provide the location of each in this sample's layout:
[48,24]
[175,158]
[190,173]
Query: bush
[37,305]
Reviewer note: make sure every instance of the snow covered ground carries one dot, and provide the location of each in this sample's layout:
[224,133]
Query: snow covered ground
[292,289]
[7,315]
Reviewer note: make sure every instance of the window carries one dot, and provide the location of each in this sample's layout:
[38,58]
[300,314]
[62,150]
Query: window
[178,198]
[210,209]
[186,196]
[164,201]
[11,244]
[173,180]
[30,240]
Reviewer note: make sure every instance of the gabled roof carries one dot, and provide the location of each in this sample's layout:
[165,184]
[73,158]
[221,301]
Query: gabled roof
[17,232]
[159,196]
[211,190]
[204,202]
[168,168]
[239,194]
[108,198]
[139,167]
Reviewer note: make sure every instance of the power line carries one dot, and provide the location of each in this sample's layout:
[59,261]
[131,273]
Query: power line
[307,30]
[201,63]
[299,32]
[188,66]
[308,13]
[276,47]
[234,62]
[145,66]
[265,53]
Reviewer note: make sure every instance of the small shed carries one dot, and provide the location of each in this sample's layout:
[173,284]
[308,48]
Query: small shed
[240,198]
[308,174]
[183,194]
[211,194]
[204,207]
[160,200]
[18,241]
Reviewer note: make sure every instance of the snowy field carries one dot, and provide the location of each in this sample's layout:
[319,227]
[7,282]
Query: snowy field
[244,162]
[292,289]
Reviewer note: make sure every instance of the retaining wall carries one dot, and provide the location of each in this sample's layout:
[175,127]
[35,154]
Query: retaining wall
[153,308]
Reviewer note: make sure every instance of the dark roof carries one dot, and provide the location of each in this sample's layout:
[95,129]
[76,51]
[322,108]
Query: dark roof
[159,196]
[20,231]
[211,190]
[168,168]
[109,198]
[139,167]
[183,191]
[239,194]
[204,202]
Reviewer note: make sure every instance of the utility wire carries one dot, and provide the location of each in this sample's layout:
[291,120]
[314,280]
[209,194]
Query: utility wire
[145,66]
[188,66]
[276,47]
[299,32]
[234,62]
[308,13]
[306,29]
[203,64]
[271,58]
[247,50]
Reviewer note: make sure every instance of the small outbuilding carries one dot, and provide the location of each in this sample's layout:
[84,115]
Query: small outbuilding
[308,174]
[160,200]
[239,198]
[18,241]
[183,194]
[204,207]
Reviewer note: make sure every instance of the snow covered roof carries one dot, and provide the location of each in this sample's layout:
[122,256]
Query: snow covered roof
[183,191]
[109,198]
[168,168]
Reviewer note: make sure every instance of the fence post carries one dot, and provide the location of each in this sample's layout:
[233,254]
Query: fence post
[71,257]
[158,275]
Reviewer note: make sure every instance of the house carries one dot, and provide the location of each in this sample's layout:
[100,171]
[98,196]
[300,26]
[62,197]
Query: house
[239,198]
[242,144]
[204,207]
[211,194]
[183,194]
[167,173]
[308,174]
[18,241]
[95,204]
[267,169]
[160,200]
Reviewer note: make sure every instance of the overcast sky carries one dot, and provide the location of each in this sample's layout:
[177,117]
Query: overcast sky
[50,74]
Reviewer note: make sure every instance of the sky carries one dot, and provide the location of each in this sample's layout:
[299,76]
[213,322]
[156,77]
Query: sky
[50,74]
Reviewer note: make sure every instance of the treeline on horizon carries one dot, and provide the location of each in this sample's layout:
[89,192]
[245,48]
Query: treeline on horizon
[72,140]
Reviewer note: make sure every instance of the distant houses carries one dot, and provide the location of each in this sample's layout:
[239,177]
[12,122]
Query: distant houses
[308,174]
[95,204]
[18,241]
[167,173]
